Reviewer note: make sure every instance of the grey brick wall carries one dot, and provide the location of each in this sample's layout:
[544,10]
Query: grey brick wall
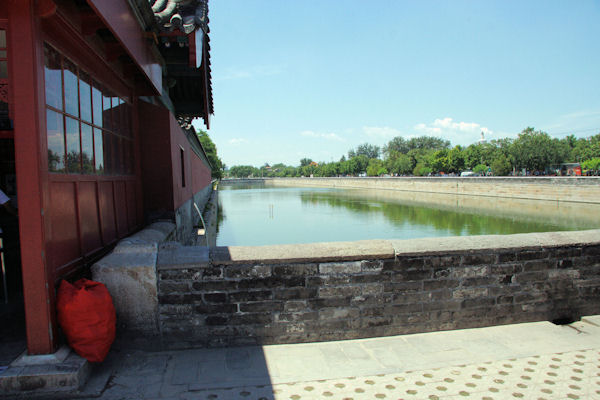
[221,301]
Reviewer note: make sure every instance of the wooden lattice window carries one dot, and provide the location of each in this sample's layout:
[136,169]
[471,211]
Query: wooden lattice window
[88,126]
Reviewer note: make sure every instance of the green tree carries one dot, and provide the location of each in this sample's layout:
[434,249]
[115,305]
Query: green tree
[305,161]
[211,153]
[501,165]
[535,150]
[376,167]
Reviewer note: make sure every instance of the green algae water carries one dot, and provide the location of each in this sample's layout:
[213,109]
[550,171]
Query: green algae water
[259,214]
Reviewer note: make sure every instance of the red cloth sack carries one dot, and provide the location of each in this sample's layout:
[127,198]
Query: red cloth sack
[87,316]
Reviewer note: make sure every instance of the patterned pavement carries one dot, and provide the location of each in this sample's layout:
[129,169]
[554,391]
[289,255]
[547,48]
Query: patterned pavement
[572,375]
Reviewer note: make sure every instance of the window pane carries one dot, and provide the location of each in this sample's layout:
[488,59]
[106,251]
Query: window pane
[87,149]
[56,141]
[116,115]
[2,38]
[73,149]
[3,69]
[106,107]
[98,151]
[52,75]
[85,97]
[71,90]
[97,105]
[117,155]
[108,153]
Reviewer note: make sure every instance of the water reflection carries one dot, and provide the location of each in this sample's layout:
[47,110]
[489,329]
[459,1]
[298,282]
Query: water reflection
[259,214]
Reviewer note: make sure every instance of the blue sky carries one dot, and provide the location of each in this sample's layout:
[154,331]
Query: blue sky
[295,79]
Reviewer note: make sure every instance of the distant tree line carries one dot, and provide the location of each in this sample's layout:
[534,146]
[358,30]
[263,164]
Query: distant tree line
[533,151]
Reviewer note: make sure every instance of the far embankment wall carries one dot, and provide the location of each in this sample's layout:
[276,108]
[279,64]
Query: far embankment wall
[572,189]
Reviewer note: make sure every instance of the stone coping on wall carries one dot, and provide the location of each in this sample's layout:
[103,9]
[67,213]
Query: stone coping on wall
[173,255]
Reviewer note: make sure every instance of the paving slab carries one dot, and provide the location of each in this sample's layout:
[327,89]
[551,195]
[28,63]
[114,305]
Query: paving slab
[530,361]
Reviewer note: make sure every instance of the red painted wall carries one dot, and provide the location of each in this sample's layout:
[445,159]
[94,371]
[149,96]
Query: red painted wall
[162,140]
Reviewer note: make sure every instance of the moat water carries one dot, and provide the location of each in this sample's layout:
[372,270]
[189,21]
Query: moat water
[259,214]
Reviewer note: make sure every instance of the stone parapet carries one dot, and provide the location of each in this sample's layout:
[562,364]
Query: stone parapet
[335,291]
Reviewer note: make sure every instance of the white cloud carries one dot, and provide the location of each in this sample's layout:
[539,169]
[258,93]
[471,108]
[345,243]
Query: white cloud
[381,132]
[237,141]
[462,133]
[327,136]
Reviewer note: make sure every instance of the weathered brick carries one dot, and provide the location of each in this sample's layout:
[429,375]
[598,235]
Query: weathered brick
[539,265]
[470,292]
[295,305]
[380,298]
[566,252]
[591,251]
[271,282]
[443,294]
[406,308]
[505,269]
[410,262]
[173,287]
[216,320]
[404,298]
[257,295]
[413,275]
[297,316]
[532,255]
[405,287]
[209,286]
[507,257]
[262,306]
[337,313]
[180,274]
[473,303]
[525,277]
[565,263]
[339,291]
[176,309]
[316,304]
[441,273]
[369,278]
[477,259]
[530,298]
[370,322]
[439,284]
[216,308]
[442,262]
[352,267]
[248,271]
[211,273]
[371,266]
[447,305]
[295,270]
[174,298]
[298,293]
[328,280]
[215,297]
[372,288]
[480,281]
[251,319]
[470,272]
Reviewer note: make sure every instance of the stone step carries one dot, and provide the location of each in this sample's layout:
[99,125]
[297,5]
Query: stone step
[32,376]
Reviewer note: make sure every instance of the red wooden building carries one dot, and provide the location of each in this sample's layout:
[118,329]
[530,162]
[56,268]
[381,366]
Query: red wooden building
[93,97]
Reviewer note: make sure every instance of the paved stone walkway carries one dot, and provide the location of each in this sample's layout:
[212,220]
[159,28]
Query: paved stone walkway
[529,361]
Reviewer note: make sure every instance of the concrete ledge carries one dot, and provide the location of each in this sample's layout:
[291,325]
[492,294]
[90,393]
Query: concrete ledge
[459,244]
[129,273]
[333,251]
